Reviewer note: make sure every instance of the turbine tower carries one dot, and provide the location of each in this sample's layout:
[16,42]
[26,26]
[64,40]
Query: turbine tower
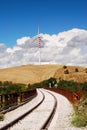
[39,45]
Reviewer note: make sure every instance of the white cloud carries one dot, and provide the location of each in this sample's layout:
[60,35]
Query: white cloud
[75,52]
[23,40]
[69,47]
[2,48]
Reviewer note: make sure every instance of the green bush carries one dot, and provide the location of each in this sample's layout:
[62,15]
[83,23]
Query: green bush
[68,85]
[79,121]
[80,115]
[9,87]
[44,83]
[83,87]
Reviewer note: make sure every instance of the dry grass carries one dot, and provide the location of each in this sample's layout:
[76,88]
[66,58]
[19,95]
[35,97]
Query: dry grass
[79,76]
[36,73]
[28,74]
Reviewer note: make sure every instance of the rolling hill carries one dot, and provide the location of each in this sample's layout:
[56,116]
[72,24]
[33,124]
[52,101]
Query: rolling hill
[37,73]
[28,73]
[76,73]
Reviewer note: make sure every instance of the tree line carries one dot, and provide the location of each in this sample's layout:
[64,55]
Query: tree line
[9,87]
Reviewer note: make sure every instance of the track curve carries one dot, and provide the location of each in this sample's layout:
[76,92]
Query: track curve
[4,125]
[39,117]
[46,124]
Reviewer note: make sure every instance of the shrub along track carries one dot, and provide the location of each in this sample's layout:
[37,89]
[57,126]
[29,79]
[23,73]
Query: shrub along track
[46,117]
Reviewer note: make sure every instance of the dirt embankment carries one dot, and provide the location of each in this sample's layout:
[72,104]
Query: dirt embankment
[73,97]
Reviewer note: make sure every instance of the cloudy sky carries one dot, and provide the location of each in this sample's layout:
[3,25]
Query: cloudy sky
[63,32]
[68,47]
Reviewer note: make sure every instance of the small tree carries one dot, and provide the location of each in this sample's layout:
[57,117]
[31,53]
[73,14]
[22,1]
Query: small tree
[76,70]
[0,83]
[52,81]
[86,70]
[66,71]
[64,66]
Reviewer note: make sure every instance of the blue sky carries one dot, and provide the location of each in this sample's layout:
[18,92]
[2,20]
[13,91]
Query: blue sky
[19,18]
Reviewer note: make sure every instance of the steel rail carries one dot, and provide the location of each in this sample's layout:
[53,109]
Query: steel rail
[9,125]
[46,124]
[48,120]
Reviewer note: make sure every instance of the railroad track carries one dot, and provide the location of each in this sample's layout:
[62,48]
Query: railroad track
[38,118]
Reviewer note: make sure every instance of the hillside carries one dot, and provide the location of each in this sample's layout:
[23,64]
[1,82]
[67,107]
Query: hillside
[36,73]
[28,73]
[79,76]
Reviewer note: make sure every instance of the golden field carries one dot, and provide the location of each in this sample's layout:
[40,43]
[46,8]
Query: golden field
[28,73]
[37,73]
[80,76]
